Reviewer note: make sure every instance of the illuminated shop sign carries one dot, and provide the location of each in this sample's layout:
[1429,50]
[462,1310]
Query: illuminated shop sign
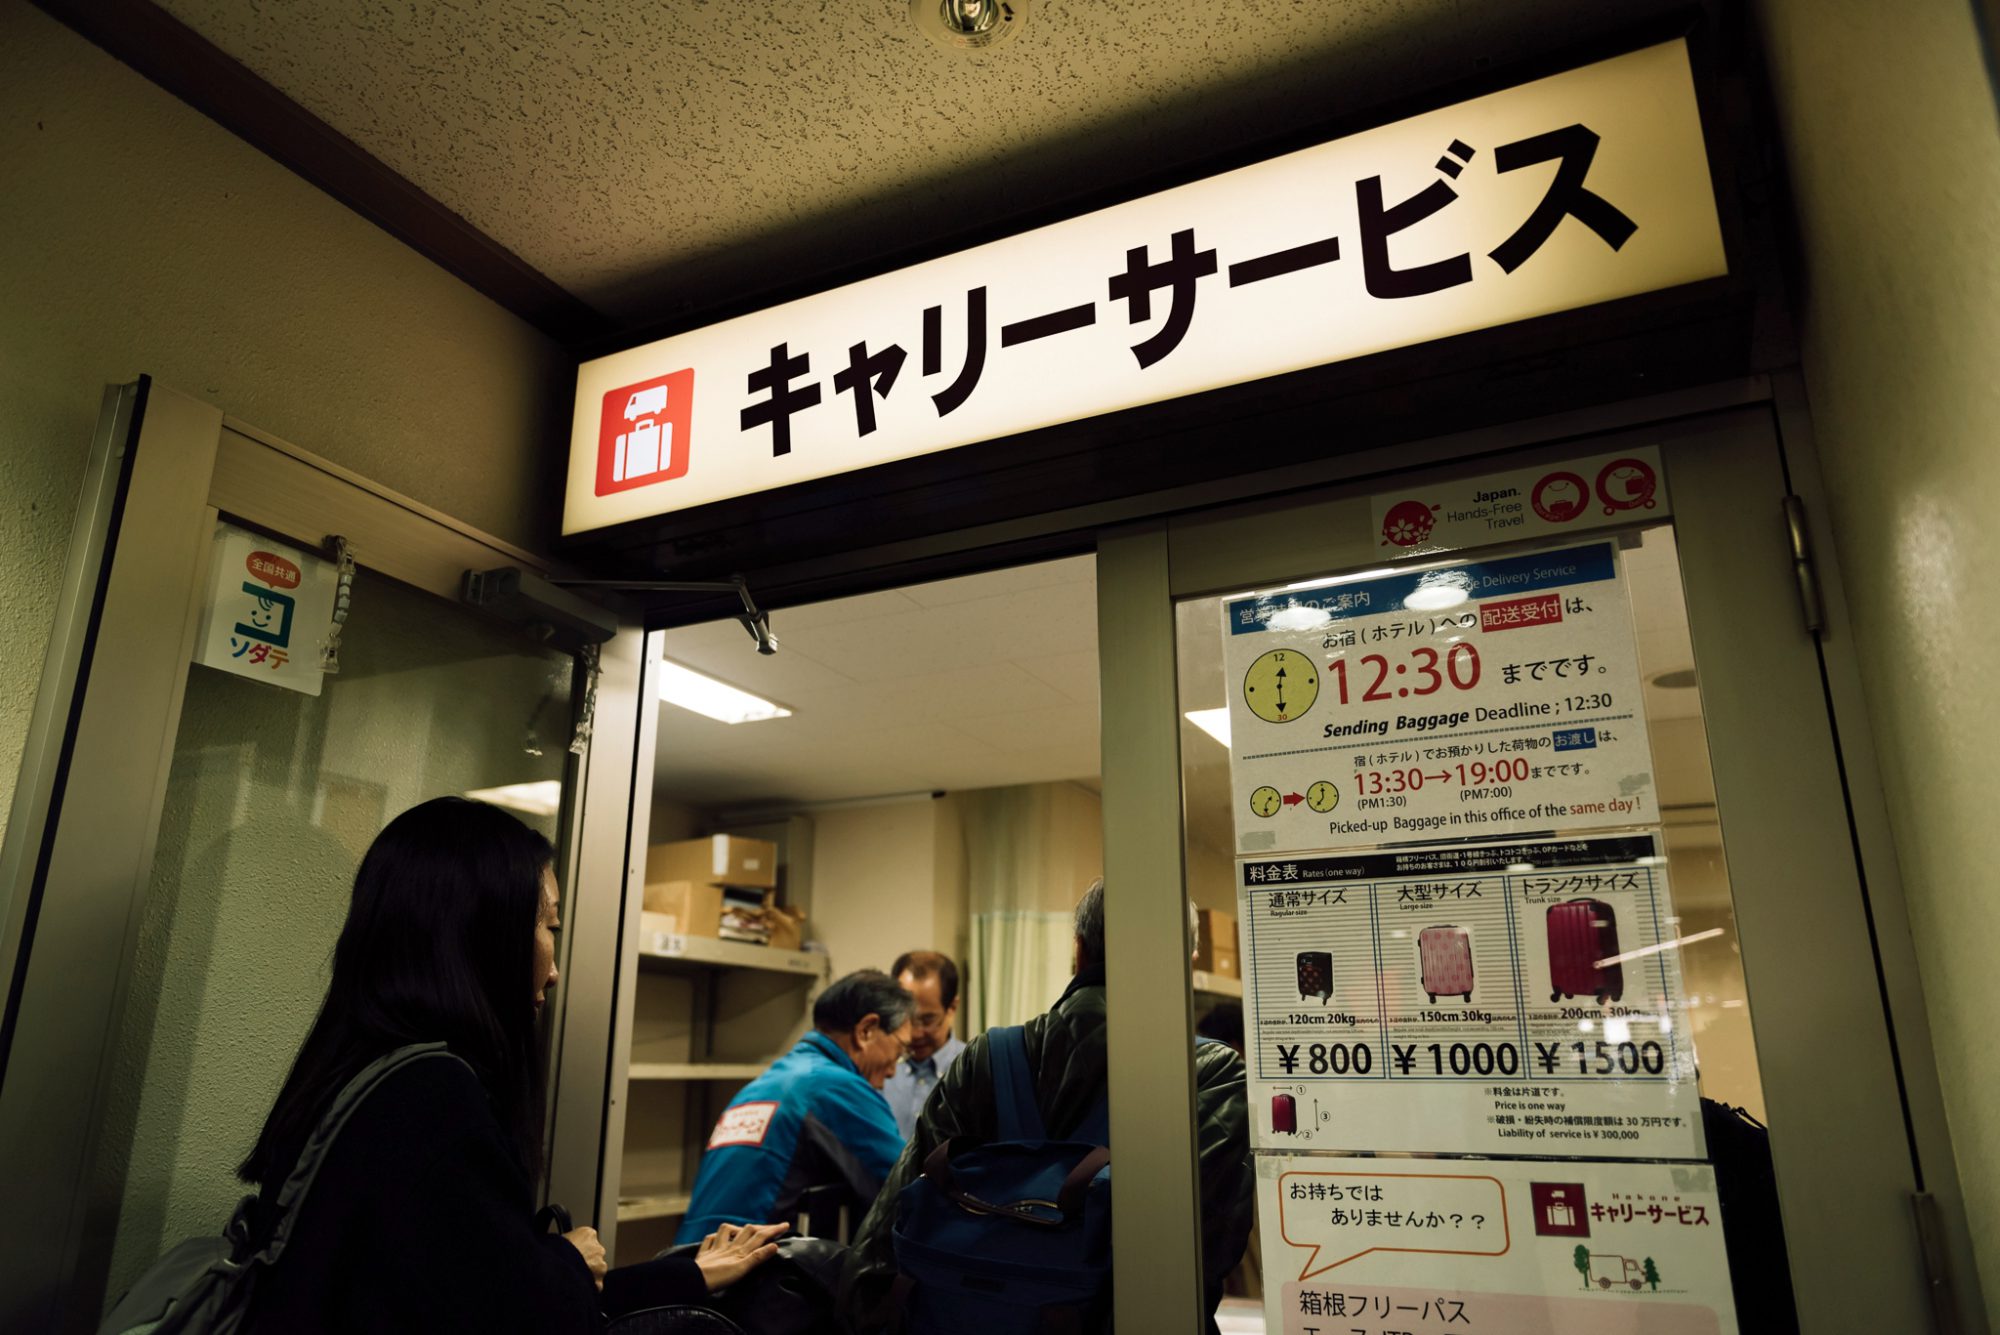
[1580,188]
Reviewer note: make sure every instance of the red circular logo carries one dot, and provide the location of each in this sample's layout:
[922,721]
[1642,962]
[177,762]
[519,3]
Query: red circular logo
[1560,497]
[273,570]
[1627,484]
[1407,523]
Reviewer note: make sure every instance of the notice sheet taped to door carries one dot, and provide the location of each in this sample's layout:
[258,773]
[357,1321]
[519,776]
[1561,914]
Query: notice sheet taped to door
[1492,1247]
[1521,998]
[1489,698]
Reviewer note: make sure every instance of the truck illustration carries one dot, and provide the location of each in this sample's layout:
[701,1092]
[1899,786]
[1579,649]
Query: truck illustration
[648,445]
[1607,1269]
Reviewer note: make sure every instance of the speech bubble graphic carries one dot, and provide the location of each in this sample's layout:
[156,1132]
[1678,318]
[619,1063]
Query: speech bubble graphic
[1349,1215]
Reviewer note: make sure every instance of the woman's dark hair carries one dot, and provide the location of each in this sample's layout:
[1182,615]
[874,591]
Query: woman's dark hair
[438,947]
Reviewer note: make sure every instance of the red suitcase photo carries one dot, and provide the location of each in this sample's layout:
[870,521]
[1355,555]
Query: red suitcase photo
[1285,1114]
[1446,955]
[1581,933]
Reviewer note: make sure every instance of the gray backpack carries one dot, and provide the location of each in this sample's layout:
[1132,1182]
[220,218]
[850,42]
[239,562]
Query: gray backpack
[204,1285]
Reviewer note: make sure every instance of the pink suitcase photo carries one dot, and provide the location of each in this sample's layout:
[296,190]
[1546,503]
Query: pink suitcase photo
[1581,933]
[1446,954]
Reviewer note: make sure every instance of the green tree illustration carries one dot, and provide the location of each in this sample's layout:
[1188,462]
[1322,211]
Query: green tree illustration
[1652,1274]
[1580,1258]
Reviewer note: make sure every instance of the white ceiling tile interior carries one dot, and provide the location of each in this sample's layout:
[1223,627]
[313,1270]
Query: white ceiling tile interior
[974,682]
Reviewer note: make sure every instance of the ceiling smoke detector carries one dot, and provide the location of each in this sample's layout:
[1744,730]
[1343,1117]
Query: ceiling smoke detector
[969,25]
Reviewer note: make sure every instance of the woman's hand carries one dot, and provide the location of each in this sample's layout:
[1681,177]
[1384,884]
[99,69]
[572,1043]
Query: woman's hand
[586,1243]
[734,1250]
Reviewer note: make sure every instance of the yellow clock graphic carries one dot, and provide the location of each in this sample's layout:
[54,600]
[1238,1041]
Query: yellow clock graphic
[1266,801]
[1322,796]
[1281,685]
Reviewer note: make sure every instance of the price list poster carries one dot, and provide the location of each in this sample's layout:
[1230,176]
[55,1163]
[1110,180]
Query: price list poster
[1518,999]
[1458,933]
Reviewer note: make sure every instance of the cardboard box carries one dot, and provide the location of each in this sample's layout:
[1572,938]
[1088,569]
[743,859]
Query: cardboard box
[696,908]
[1215,943]
[722,859]
[787,928]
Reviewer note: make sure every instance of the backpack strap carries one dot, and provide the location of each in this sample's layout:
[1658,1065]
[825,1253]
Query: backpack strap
[351,1096]
[1014,1085]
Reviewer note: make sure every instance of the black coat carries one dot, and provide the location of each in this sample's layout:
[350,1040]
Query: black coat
[1066,1051]
[421,1220]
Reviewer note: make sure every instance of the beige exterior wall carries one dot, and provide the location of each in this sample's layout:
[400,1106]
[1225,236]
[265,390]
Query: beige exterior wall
[1891,133]
[141,237]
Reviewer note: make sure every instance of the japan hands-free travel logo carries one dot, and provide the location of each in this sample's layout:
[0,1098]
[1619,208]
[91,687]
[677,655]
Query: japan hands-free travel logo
[643,433]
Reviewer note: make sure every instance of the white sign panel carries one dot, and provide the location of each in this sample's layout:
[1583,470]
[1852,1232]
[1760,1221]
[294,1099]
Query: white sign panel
[1580,188]
[269,608]
[1518,998]
[1465,700]
[1431,1247]
[1574,496]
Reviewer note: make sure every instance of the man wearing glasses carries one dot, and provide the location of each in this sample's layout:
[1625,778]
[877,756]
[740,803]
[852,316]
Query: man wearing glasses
[931,980]
[812,1133]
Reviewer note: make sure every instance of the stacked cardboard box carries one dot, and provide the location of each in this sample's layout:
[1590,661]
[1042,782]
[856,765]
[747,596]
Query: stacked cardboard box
[1215,943]
[722,886]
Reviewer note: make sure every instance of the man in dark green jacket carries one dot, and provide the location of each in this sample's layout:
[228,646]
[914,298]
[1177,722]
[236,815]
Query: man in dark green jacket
[1066,1052]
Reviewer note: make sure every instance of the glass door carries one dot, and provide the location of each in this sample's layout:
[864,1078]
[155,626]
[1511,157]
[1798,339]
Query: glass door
[196,800]
[272,798]
[1514,785]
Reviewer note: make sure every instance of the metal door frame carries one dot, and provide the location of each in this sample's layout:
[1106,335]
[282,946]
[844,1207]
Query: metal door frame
[1811,767]
[80,840]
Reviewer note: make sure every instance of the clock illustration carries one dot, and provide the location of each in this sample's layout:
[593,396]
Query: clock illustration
[1281,685]
[1266,801]
[1322,796]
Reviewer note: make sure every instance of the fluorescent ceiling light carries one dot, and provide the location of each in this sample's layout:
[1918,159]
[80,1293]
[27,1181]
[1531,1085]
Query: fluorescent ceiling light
[1214,722]
[532,799]
[716,699]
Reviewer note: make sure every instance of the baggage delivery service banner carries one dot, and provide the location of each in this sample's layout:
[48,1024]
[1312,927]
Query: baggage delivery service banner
[1523,998]
[1470,699]
[1396,1247]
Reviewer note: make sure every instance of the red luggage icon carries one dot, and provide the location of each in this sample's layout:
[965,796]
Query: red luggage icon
[1285,1114]
[1583,932]
[1446,953]
[1315,968]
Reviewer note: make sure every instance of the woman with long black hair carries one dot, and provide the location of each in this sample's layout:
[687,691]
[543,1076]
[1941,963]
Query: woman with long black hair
[421,1217]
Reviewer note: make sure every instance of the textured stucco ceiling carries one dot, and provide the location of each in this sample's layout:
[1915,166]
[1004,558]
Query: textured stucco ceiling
[658,158]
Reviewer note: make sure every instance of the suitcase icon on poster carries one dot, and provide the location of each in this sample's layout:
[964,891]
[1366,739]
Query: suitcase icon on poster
[1285,1114]
[1316,975]
[1446,955]
[1583,932]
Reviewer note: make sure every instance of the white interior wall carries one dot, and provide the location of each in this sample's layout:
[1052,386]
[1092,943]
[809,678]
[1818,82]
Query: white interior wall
[875,883]
[1894,152]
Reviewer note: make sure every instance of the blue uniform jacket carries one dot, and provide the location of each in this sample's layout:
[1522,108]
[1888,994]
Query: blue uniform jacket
[810,1120]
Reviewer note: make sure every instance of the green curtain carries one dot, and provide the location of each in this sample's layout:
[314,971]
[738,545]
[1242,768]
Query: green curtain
[1030,851]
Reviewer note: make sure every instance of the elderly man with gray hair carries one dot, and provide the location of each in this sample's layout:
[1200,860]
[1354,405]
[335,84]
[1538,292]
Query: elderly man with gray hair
[1066,1055]
[816,1118]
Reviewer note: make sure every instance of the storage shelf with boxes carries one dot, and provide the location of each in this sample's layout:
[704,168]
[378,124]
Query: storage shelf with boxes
[1216,962]
[724,986]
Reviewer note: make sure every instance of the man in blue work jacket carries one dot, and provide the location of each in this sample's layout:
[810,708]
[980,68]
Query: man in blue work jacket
[816,1118]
